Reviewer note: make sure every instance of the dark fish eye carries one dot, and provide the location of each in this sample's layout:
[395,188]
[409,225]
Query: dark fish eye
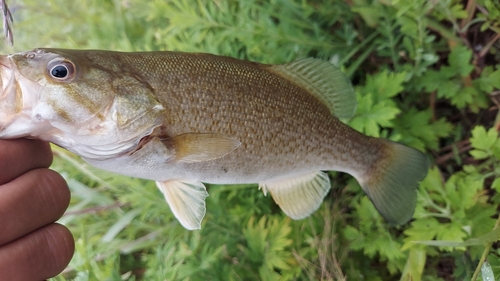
[61,70]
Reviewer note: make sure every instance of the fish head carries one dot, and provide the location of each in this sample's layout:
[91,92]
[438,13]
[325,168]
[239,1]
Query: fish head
[89,102]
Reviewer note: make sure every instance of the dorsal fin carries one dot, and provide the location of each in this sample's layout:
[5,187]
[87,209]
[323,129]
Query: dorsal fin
[323,80]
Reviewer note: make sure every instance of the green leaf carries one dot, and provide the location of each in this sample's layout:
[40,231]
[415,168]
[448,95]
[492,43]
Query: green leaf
[448,72]
[448,89]
[268,244]
[386,84]
[420,230]
[460,59]
[431,80]
[489,79]
[482,139]
[478,154]
[451,232]
[483,142]
[461,190]
[417,129]
[496,184]
[489,237]
[376,109]
[372,238]
[464,97]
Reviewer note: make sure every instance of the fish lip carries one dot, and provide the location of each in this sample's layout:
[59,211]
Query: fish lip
[6,76]
[6,73]
[14,122]
[4,61]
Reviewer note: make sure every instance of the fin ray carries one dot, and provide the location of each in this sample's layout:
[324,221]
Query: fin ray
[186,200]
[392,186]
[299,197]
[323,80]
[199,147]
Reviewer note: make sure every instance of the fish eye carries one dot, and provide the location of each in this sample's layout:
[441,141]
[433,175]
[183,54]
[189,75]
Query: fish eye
[61,70]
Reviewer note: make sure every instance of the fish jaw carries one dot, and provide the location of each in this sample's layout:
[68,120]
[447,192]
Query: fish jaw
[18,97]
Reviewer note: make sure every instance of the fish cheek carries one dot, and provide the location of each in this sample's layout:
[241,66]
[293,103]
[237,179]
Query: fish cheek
[50,108]
[60,111]
[11,101]
[63,104]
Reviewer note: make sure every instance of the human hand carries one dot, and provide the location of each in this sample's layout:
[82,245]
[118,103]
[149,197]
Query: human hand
[32,198]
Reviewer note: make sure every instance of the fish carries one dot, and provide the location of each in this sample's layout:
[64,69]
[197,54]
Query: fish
[189,119]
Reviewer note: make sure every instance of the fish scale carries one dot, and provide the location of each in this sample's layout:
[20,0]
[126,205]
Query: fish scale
[263,109]
[204,107]
[185,119]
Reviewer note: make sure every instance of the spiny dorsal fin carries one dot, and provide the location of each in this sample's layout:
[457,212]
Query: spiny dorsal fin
[323,80]
[300,196]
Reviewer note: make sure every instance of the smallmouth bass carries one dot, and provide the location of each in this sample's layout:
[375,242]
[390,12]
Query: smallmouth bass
[184,119]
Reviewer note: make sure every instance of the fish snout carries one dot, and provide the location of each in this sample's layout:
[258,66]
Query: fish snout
[11,99]
[5,74]
[7,89]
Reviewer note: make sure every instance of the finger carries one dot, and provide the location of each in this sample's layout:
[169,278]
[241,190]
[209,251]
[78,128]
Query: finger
[21,155]
[39,255]
[31,201]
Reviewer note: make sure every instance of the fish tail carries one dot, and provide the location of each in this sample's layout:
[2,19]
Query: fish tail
[391,182]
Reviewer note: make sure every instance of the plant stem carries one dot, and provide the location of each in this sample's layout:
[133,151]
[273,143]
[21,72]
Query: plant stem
[486,48]
[485,254]
[445,32]
[470,9]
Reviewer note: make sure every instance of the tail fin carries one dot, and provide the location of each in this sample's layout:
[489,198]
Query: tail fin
[392,182]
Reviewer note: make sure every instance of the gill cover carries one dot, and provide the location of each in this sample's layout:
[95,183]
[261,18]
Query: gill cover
[77,100]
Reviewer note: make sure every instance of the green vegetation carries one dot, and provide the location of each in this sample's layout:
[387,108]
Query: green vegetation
[426,74]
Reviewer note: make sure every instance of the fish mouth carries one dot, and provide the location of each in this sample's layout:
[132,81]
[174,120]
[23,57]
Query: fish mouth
[15,119]
[6,75]
[10,98]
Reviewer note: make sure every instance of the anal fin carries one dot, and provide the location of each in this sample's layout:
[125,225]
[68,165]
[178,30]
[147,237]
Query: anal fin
[186,200]
[300,196]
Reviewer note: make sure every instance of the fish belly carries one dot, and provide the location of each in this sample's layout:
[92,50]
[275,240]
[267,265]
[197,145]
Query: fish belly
[273,153]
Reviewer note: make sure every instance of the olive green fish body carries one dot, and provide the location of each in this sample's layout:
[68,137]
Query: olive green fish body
[282,128]
[182,119]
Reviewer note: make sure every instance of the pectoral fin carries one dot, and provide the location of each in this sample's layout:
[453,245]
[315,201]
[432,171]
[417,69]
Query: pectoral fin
[196,147]
[300,196]
[186,200]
